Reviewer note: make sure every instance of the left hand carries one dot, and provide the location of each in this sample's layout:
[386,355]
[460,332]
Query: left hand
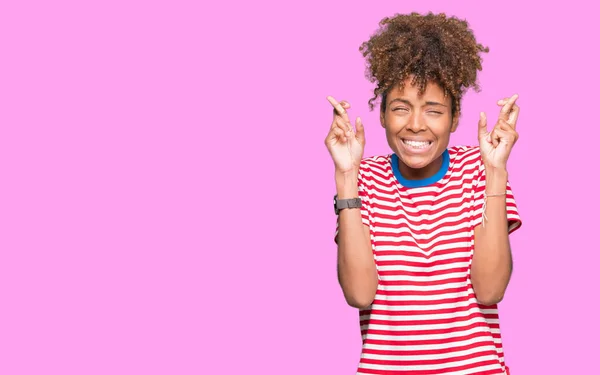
[496,145]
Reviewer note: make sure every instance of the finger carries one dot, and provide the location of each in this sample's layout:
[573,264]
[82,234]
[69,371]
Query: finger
[341,124]
[483,132]
[504,137]
[499,134]
[494,137]
[346,106]
[508,133]
[341,135]
[503,101]
[339,121]
[505,125]
[336,135]
[513,116]
[360,131]
[336,105]
[339,109]
[507,107]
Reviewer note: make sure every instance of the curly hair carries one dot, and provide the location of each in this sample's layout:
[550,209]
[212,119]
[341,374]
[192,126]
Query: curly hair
[431,48]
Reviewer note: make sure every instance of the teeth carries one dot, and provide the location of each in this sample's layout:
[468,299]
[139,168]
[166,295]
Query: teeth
[416,144]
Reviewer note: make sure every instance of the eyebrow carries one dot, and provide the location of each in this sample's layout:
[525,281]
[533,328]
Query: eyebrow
[410,104]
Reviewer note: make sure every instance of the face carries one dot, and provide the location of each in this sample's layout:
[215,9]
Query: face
[418,127]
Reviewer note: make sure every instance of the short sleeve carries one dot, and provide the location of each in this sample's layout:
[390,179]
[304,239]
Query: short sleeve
[514,220]
[364,193]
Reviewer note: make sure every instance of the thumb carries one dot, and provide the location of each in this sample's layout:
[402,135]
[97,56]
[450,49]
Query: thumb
[483,132]
[360,131]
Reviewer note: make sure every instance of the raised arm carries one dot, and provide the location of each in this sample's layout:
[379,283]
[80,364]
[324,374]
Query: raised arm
[357,273]
[492,259]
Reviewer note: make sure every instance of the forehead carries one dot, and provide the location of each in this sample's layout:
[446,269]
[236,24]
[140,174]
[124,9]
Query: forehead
[433,91]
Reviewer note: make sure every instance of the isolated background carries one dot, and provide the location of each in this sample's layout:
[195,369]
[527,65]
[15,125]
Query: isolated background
[166,197]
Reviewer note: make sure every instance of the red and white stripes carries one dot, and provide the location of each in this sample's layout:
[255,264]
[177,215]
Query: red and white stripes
[425,318]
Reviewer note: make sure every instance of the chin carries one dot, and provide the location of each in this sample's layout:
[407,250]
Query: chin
[415,162]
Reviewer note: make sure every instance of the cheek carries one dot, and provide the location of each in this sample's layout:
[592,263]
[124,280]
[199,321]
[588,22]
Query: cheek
[394,124]
[391,132]
[392,137]
[443,138]
[442,129]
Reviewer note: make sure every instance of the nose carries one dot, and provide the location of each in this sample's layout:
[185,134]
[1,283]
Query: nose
[415,123]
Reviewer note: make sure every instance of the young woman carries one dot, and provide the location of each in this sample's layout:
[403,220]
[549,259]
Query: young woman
[422,233]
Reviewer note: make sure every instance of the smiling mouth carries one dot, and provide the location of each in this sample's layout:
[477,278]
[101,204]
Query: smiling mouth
[416,144]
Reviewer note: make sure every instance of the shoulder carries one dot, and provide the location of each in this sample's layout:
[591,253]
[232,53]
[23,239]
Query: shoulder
[374,171]
[464,152]
[378,163]
[465,157]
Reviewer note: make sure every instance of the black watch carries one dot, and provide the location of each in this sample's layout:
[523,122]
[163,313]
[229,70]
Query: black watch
[340,204]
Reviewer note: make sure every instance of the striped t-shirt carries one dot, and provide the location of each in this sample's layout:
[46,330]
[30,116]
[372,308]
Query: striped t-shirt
[425,318]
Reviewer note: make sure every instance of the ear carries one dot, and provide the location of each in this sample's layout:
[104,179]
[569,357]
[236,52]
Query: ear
[382,119]
[454,122]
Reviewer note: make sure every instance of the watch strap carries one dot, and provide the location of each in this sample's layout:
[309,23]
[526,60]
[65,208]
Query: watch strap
[340,204]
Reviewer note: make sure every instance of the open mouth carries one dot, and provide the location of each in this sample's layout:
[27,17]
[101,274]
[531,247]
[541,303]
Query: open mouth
[418,145]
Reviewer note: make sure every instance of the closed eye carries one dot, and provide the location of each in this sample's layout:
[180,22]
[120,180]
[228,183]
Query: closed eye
[400,109]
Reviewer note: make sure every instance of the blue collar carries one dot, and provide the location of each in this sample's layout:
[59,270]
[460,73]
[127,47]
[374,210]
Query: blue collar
[426,181]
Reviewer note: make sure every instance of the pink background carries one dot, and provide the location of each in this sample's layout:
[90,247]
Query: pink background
[165,201]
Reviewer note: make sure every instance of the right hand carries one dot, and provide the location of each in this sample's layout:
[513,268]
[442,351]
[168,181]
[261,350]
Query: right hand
[345,146]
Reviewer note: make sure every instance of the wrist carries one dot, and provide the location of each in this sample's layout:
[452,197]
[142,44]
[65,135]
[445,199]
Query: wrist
[496,180]
[491,169]
[346,184]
